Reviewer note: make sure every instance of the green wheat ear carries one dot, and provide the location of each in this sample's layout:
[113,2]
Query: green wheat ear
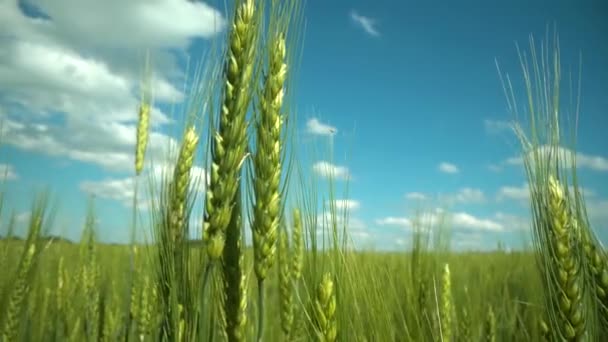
[143,124]
[566,265]
[298,246]
[173,262]
[597,262]
[230,141]
[325,310]
[268,169]
[90,273]
[446,305]
[21,284]
[267,163]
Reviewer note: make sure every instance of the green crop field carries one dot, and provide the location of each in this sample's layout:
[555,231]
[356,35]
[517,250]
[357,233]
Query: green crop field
[291,283]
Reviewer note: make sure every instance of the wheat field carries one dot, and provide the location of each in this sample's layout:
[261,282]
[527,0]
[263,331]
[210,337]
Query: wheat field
[291,283]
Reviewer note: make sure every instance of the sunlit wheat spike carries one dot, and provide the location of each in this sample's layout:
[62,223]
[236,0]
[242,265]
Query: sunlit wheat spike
[446,305]
[180,183]
[142,136]
[325,310]
[18,296]
[143,120]
[597,262]
[267,163]
[566,265]
[297,246]
[230,141]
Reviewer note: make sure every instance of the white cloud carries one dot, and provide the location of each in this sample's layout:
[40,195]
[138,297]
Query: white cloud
[117,189]
[356,229]
[585,161]
[136,24]
[467,241]
[467,195]
[394,221]
[106,144]
[347,204]
[512,222]
[314,126]
[495,167]
[597,209]
[465,220]
[329,170]
[457,220]
[496,126]
[69,82]
[446,167]
[521,193]
[464,196]
[8,173]
[23,217]
[416,196]
[122,189]
[366,23]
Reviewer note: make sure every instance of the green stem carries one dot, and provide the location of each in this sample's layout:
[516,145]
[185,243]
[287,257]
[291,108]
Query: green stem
[260,309]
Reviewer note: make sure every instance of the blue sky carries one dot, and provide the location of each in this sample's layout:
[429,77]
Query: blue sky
[410,89]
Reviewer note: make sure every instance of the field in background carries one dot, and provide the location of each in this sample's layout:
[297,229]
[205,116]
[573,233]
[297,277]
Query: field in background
[291,285]
[384,303]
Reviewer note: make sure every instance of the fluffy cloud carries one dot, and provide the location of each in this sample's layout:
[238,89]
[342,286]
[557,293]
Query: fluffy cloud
[346,204]
[357,232]
[416,196]
[122,189]
[496,126]
[458,220]
[136,24]
[512,222]
[69,78]
[7,172]
[329,170]
[366,23]
[466,195]
[598,210]
[394,221]
[519,193]
[448,168]
[522,193]
[463,196]
[106,144]
[468,241]
[468,221]
[585,161]
[314,126]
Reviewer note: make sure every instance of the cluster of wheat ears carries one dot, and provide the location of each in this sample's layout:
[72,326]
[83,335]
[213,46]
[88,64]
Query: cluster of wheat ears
[177,289]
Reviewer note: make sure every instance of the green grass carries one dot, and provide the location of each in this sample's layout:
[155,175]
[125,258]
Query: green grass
[381,305]
[295,284]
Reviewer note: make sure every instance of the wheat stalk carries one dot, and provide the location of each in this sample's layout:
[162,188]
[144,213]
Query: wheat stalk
[490,326]
[235,281]
[285,285]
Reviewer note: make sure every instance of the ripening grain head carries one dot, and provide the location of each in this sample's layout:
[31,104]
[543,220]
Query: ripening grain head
[230,141]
